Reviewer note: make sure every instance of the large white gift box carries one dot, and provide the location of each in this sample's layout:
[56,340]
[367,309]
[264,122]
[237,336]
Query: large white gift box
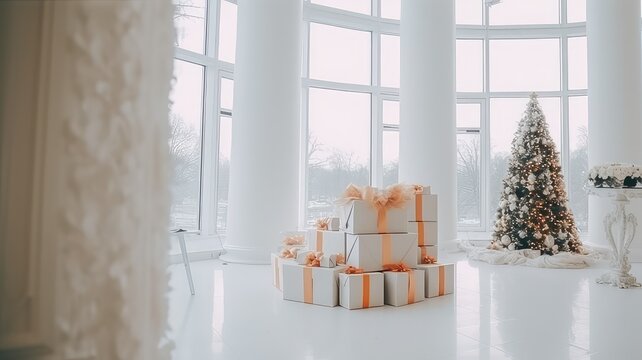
[427,251]
[327,242]
[371,251]
[361,217]
[422,207]
[403,287]
[440,279]
[426,231]
[311,285]
[360,291]
[277,269]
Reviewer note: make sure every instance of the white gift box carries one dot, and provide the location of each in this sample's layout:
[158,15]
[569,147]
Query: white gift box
[327,242]
[440,279]
[371,251]
[311,285]
[403,288]
[301,257]
[432,251]
[277,269]
[333,224]
[360,217]
[360,291]
[427,232]
[422,207]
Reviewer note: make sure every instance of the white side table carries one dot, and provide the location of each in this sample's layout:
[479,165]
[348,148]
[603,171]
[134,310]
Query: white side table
[180,234]
[620,227]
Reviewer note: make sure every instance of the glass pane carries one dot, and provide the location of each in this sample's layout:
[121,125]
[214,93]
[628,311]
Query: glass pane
[338,147]
[578,158]
[390,157]
[189,19]
[186,115]
[227,93]
[577,63]
[575,11]
[227,32]
[468,179]
[391,9]
[222,188]
[525,65]
[468,12]
[391,112]
[468,115]
[390,58]
[505,114]
[339,54]
[470,65]
[523,12]
[358,6]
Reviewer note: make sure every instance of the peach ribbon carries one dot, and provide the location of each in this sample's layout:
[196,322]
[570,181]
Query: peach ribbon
[354,270]
[293,240]
[386,248]
[341,259]
[419,207]
[442,280]
[288,253]
[307,285]
[401,267]
[323,224]
[319,240]
[276,271]
[427,259]
[365,291]
[313,259]
[421,233]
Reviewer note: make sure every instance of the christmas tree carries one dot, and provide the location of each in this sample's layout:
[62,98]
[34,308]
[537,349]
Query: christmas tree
[533,209]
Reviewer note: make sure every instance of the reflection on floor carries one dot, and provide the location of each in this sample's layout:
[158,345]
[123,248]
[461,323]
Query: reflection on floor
[498,312]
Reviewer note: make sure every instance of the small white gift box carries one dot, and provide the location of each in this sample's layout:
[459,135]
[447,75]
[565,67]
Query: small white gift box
[371,251]
[277,269]
[360,291]
[440,279]
[426,231]
[361,217]
[404,287]
[327,242]
[311,285]
[333,223]
[424,251]
[422,207]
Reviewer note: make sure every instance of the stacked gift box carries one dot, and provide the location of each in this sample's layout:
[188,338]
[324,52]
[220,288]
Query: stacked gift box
[367,257]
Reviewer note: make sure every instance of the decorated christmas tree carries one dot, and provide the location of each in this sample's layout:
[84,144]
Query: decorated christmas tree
[533,209]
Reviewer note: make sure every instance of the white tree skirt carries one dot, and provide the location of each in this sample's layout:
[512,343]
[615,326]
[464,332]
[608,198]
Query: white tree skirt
[533,258]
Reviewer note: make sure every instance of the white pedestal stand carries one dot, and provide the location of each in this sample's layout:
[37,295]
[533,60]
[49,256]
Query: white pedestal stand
[620,229]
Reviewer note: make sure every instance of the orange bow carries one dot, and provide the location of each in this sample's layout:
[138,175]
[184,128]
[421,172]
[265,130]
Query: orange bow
[341,259]
[354,270]
[400,267]
[293,240]
[323,223]
[419,189]
[288,253]
[428,260]
[313,259]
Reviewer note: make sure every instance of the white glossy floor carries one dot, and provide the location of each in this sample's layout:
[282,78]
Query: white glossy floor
[498,312]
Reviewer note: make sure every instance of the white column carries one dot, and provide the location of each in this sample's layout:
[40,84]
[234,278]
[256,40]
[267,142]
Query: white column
[427,143]
[615,93]
[265,133]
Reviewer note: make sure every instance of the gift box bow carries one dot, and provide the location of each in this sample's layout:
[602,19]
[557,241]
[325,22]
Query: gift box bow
[313,259]
[400,267]
[394,196]
[293,240]
[428,260]
[354,270]
[419,189]
[288,253]
[323,224]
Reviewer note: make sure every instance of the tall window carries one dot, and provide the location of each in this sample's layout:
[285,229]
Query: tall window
[201,114]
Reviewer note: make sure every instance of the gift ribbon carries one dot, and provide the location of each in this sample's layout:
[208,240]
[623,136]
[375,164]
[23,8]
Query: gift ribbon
[323,223]
[442,280]
[288,253]
[419,207]
[395,196]
[293,240]
[341,259]
[313,259]
[427,259]
[353,270]
[386,248]
[365,291]
[424,254]
[421,233]
[277,281]
[319,240]
[307,285]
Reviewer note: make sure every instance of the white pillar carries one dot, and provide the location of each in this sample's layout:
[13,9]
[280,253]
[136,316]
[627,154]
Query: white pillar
[615,93]
[265,133]
[427,143]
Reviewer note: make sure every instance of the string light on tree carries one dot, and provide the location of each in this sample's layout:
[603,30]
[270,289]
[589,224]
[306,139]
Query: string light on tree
[533,210]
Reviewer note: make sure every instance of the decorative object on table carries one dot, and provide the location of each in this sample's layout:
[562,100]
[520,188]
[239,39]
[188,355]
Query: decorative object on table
[359,290]
[372,251]
[328,242]
[403,285]
[615,175]
[367,210]
[533,211]
[311,285]
[620,227]
[439,279]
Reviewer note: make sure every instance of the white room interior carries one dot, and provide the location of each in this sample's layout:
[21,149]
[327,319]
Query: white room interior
[120,120]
